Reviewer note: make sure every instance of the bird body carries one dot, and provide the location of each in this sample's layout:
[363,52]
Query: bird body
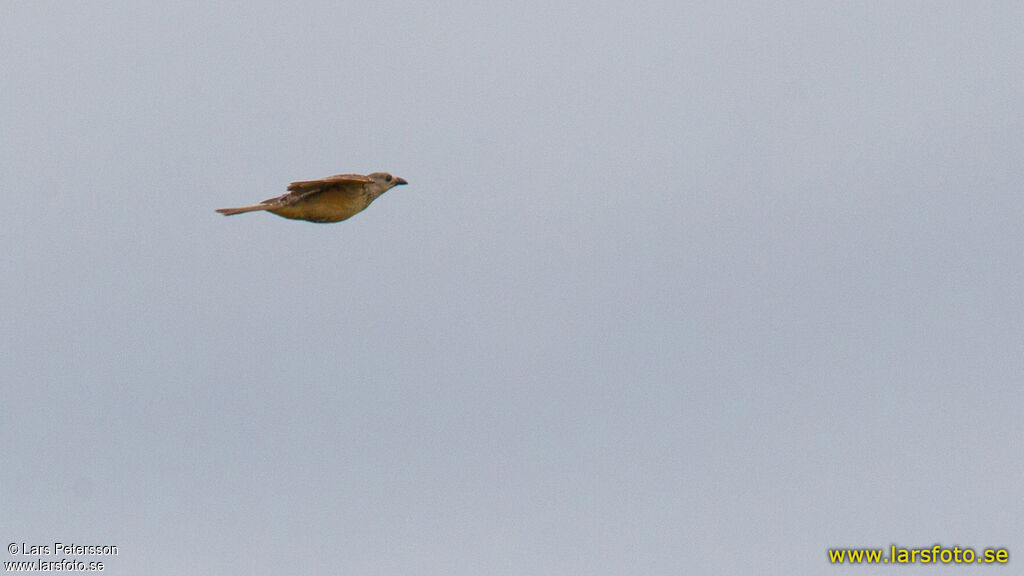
[330,199]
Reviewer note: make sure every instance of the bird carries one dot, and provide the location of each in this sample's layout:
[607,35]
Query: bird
[330,199]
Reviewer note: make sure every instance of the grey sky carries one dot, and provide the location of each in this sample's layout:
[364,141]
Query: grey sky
[675,288]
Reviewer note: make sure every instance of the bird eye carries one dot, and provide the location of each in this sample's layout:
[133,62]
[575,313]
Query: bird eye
[388,177]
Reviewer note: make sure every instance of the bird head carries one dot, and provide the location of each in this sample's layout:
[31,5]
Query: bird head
[383,182]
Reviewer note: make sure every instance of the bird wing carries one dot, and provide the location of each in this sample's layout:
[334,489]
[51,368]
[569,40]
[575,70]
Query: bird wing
[306,188]
[336,179]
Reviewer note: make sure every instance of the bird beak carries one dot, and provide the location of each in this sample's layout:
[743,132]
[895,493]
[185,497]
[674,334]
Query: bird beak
[400,181]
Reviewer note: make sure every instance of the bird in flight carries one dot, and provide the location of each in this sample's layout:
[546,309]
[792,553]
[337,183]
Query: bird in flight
[330,199]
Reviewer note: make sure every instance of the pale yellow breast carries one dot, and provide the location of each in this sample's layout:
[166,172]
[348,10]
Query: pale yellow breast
[332,205]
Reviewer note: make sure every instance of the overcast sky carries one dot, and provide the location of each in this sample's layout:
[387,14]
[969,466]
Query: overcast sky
[675,287]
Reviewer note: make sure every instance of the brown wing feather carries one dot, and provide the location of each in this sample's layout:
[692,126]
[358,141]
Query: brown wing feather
[336,179]
[306,188]
[298,191]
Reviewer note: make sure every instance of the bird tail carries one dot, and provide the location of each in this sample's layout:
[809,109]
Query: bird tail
[242,210]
